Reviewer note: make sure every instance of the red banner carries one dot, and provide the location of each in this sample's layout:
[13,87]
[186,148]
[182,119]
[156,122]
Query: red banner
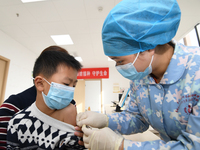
[93,73]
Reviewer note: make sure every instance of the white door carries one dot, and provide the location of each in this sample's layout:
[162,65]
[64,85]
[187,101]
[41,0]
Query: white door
[93,95]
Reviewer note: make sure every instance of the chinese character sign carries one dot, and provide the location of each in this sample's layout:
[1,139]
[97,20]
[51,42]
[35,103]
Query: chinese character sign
[93,73]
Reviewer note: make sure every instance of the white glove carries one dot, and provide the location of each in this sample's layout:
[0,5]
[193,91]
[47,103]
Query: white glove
[92,119]
[101,139]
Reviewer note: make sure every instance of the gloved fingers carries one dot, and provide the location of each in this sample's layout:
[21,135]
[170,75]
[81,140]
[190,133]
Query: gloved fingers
[87,131]
[83,115]
[82,122]
[86,136]
[87,145]
[86,139]
[81,118]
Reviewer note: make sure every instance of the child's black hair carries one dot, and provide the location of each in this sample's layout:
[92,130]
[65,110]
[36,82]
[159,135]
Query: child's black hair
[49,60]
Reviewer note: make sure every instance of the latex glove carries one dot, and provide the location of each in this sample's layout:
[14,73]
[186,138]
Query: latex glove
[92,119]
[101,139]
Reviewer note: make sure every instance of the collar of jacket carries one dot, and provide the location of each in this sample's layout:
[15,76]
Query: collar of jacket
[175,69]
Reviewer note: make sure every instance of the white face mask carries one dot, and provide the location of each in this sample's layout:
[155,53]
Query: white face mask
[129,71]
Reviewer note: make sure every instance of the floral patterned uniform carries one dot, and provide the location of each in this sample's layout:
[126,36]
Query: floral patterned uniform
[172,107]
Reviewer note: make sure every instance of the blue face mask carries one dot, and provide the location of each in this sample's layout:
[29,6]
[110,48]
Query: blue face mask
[128,70]
[59,96]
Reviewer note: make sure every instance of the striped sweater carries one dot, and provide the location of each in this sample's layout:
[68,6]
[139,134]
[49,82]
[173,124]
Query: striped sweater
[32,129]
[11,106]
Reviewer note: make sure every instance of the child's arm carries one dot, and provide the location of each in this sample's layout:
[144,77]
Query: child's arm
[70,113]
[67,114]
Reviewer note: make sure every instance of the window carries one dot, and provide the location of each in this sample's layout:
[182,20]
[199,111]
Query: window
[192,38]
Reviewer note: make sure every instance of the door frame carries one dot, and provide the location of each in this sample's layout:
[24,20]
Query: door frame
[4,78]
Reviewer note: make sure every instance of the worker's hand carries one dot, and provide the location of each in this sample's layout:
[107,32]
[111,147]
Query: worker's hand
[92,119]
[101,139]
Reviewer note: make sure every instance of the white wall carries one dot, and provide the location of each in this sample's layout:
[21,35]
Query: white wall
[21,64]
[107,85]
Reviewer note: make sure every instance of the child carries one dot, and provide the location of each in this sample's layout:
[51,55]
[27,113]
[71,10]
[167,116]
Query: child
[49,122]
[17,102]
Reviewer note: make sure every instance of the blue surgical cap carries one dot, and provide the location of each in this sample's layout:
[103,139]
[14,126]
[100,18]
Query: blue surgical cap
[134,26]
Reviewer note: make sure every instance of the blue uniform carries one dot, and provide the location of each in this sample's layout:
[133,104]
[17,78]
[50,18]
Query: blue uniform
[172,107]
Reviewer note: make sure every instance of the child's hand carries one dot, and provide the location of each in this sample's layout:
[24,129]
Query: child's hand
[79,133]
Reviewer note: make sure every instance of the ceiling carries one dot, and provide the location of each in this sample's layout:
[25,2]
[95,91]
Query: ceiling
[31,24]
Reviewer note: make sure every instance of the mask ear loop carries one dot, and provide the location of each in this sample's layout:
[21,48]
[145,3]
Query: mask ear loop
[136,58]
[46,81]
[151,60]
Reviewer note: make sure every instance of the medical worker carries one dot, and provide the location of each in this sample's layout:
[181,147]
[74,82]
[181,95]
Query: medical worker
[165,80]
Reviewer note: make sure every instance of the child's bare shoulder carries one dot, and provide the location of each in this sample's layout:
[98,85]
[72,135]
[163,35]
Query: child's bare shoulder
[69,114]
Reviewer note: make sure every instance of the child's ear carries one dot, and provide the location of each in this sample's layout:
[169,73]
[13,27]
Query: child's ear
[39,83]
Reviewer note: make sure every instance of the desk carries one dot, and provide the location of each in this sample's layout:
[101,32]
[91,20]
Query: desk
[145,136]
